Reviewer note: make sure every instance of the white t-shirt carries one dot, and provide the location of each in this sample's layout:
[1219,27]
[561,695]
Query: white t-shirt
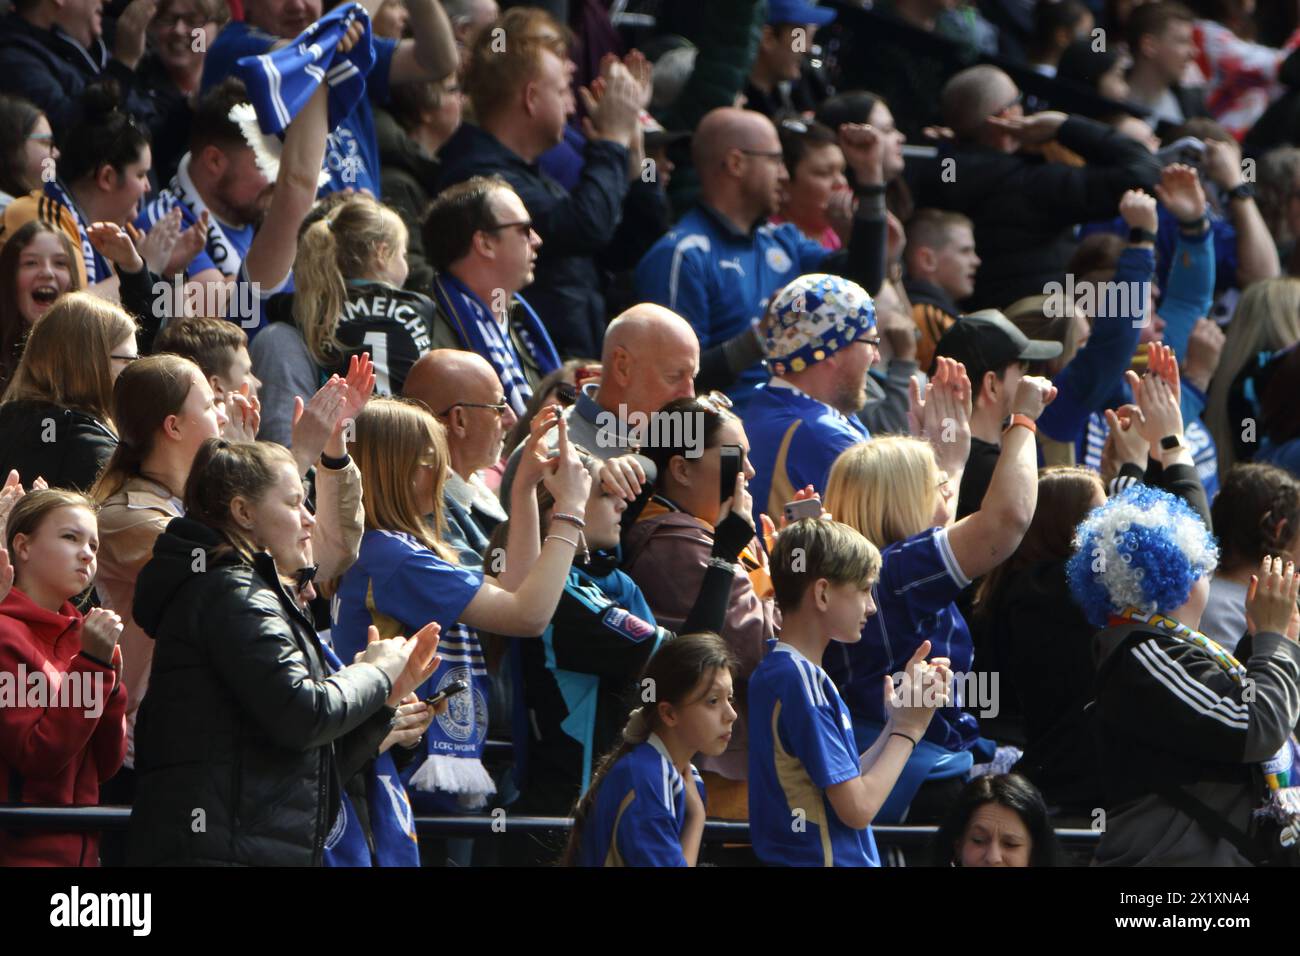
[1224,619]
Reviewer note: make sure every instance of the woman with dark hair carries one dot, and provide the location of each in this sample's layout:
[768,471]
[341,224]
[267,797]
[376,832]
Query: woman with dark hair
[1057,24]
[26,142]
[1256,513]
[817,198]
[164,410]
[241,680]
[37,265]
[693,711]
[103,173]
[999,820]
[1046,671]
[1101,71]
[1279,418]
[667,550]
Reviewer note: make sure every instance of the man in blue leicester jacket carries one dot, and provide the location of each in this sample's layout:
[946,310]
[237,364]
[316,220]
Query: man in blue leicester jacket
[820,338]
[352,152]
[723,261]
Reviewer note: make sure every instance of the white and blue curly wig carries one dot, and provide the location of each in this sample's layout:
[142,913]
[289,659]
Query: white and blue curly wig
[1144,548]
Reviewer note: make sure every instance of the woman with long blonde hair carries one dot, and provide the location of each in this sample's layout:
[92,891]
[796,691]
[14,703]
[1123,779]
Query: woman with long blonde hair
[407,575]
[56,414]
[1267,320]
[900,493]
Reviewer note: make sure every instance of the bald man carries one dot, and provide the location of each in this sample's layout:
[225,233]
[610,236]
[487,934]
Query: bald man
[464,393]
[723,260]
[650,357]
[1024,208]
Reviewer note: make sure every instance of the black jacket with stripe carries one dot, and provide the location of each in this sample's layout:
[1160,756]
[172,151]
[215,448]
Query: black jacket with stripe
[1168,716]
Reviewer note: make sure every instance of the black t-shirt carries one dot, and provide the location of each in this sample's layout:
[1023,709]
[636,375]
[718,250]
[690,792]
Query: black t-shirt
[975,479]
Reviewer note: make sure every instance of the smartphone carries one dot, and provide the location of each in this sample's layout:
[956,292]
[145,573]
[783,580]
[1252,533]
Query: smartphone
[805,508]
[731,458]
[455,687]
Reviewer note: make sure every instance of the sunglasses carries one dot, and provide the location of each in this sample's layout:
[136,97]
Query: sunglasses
[498,407]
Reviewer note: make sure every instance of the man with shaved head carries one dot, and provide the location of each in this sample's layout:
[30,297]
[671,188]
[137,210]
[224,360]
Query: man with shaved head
[1023,206]
[651,356]
[723,260]
[464,393]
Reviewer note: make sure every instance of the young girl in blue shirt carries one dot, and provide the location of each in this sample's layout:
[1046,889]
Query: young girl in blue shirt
[645,805]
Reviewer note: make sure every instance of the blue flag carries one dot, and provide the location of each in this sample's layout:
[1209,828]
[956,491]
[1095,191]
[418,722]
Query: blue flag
[281,82]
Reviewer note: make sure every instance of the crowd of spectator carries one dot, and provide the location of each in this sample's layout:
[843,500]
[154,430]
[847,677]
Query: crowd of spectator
[806,415]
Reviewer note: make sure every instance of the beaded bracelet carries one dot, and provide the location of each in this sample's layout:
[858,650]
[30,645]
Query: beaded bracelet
[575,520]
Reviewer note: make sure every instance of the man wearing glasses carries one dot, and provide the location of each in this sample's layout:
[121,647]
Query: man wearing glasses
[723,260]
[821,339]
[480,239]
[462,391]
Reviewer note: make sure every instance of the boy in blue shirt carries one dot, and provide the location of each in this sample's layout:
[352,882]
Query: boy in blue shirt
[811,795]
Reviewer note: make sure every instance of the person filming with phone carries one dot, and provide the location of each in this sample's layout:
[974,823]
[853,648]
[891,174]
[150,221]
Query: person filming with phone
[668,549]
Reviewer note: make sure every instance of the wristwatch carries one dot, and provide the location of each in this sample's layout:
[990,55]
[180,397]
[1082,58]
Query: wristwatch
[1024,420]
[1171,443]
[1241,191]
[1137,235]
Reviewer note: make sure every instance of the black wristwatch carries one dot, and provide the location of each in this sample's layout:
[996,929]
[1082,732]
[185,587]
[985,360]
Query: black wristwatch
[1171,442]
[335,464]
[1241,191]
[1196,228]
[1137,235]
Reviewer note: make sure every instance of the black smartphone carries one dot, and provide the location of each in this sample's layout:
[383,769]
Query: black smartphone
[731,457]
[455,687]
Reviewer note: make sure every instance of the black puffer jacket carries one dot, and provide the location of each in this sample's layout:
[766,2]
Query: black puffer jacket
[242,720]
[65,446]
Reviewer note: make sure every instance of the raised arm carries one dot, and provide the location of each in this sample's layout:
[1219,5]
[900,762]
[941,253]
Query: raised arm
[270,258]
[1189,291]
[1256,252]
[432,54]
[527,611]
[983,540]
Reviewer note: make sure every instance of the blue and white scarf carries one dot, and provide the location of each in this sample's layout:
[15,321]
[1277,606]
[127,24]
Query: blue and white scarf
[97,267]
[392,821]
[281,82]
[477,327]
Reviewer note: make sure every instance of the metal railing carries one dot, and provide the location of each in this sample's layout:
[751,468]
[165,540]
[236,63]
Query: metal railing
[454,825]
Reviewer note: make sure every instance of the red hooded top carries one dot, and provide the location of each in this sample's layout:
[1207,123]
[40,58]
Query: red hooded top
[51,752]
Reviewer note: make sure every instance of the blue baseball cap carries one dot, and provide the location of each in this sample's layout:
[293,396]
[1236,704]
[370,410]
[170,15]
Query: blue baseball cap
[797,11]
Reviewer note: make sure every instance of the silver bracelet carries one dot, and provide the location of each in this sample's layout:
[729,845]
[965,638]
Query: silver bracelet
[560,537]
